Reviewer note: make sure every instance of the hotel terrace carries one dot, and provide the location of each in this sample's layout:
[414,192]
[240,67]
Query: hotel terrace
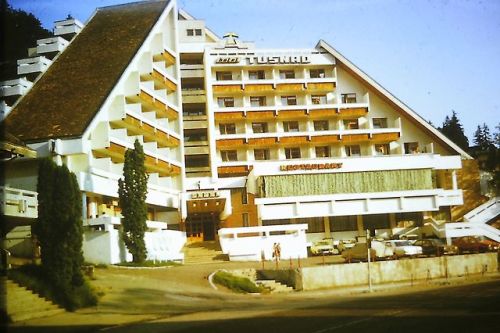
[244,146]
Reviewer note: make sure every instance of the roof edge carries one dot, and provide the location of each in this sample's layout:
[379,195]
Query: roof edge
[374,84]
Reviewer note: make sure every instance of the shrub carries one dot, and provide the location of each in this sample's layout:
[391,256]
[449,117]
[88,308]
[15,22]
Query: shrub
[236,283]
[34,278]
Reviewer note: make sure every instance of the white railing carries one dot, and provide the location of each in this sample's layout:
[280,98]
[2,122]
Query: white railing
[19,203]
[255,243]
[484,213]
[462,229]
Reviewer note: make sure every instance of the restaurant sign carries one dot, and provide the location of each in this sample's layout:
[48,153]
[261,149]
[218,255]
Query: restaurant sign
[311,166]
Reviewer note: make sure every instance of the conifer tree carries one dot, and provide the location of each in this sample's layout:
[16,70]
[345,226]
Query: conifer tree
[59,227]
[132,191]
[454,130]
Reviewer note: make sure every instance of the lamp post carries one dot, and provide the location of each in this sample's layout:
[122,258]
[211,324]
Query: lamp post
[368,247]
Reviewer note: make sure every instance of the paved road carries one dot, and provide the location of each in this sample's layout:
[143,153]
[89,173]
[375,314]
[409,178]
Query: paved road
[464,308]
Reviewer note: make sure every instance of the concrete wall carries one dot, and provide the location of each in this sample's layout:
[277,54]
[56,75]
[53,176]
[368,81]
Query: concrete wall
[290,277]
[333,276]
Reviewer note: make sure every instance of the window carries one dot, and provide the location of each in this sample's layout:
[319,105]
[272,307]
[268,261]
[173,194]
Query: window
[318,99]
[228,155]
[196,161]
[348,98]
[256,75]
[411,219]
[244,217]
[225,102]
[376,221]
[382,149]
[288,74]
[288,100]
[350,124]
[411,148]
[197,32]
[343,223]
[291,153]
[322,151]
[314,224]
[227,128]
[190,32]
[379,122]
[224,76]
[261,154]
[317,73]
[257,100]
[244,196]
[291,126]
[354,150]
[259,127]
[321,125]
[199,134]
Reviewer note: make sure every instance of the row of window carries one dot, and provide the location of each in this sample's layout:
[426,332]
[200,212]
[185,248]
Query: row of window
[261,75]
[349,223]
[193,32]
[228,102]
[293,125]
[295,152]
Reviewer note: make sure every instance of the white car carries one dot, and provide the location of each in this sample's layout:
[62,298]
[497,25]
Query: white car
[403,248]
[382,249]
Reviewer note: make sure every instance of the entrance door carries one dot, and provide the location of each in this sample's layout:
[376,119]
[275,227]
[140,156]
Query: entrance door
[202,227]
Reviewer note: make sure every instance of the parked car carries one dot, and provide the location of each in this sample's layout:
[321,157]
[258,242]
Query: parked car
[435,247]
[404,248]
[471,244]
[359,252]
[324,246]
[382,250]
[345,244]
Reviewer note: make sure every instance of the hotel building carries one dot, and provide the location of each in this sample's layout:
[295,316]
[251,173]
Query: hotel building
[238,140]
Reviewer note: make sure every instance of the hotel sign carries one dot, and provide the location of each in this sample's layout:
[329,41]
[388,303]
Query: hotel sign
[205,195]
[266,60]
[311,166]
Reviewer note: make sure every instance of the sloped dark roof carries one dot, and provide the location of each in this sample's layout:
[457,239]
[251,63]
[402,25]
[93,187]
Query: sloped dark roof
[67,97]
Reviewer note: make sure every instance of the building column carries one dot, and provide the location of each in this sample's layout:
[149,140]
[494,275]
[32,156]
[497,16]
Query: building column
[84,207]
[359,222]
[392,222]
[454,179]
[326,222]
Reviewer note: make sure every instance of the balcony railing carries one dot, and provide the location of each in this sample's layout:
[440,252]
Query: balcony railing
[16,87]
[19,203]
[51,45]
[33,65]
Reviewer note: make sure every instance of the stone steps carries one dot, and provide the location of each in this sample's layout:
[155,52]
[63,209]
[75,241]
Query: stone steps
[22,304]
[202,253]
[274,286]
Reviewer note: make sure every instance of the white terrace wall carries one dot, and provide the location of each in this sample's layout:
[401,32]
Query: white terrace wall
[333,276]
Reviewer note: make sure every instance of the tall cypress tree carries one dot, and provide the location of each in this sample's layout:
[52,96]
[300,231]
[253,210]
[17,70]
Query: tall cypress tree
[132,191]
[59,227]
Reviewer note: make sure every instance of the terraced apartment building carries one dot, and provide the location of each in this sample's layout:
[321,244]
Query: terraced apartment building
[236,137]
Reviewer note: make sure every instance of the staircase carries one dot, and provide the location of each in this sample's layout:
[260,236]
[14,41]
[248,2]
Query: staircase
[274,286]
[22,304]
[484,213]
[203,253]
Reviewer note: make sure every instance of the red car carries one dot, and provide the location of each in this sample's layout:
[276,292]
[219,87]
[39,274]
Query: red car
[472,244]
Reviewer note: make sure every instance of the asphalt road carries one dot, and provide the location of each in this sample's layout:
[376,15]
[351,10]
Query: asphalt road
[463,308]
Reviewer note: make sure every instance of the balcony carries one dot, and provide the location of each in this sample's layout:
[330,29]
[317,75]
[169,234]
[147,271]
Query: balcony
[51,45]
[166,55]
[153,101]
[16,87]
[18,203]
[192,71]
[161,78]
[147,130]
[67,27]
[33,65]
[304,137]
[193,96]
[155,161]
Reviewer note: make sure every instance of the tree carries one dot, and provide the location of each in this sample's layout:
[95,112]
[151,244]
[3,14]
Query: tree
[59,227]
[132,191]
[454,130]
[20,30]
[497,136]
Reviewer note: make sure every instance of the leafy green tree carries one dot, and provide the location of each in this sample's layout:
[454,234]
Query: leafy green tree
[454,130]
[59,227]
[132,191]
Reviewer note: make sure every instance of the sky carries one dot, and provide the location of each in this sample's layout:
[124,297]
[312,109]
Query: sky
[434,55]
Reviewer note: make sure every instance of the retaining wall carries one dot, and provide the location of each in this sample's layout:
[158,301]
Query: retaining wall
[341,275]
